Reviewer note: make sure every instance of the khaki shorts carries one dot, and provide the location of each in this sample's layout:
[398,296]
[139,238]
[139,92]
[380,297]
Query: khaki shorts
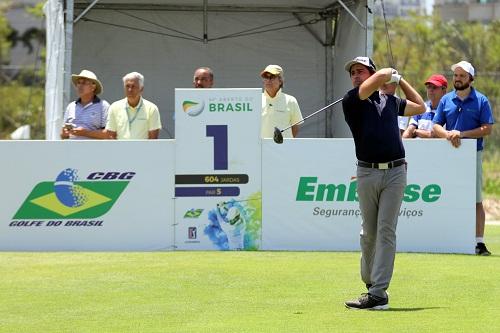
[479,176]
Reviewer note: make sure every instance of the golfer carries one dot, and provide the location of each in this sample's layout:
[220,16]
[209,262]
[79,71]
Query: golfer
[381,170]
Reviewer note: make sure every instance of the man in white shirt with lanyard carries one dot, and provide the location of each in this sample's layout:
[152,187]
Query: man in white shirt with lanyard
[134,117]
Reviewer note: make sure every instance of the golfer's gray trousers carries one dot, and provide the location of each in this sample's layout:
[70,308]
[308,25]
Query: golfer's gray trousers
[380,194]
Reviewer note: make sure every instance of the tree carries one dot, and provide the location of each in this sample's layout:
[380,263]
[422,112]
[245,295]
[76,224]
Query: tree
[4,42]
[422,45]
[23,98]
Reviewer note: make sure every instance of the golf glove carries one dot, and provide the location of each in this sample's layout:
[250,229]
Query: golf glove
[395,77]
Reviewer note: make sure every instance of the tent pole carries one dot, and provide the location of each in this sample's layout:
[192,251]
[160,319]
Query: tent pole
[328,75]
[85,11]
[68,47]
[369,30]
[205,21]
[352,14]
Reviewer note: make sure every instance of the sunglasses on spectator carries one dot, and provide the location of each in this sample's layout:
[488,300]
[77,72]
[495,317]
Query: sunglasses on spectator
[269,76]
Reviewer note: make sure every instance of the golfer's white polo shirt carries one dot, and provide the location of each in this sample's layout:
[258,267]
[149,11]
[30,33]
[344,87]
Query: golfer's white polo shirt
[131,123]
[279,111]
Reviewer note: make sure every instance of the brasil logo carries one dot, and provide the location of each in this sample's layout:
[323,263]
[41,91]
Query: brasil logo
[68,197]
[193,109]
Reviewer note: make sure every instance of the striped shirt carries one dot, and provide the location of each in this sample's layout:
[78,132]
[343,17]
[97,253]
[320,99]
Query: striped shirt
[92,116]
[424,121]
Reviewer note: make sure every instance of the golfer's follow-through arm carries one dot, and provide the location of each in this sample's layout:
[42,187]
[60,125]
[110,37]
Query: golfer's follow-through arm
[415,103]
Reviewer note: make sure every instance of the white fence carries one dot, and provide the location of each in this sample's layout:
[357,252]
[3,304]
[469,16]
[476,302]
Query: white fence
[123,198]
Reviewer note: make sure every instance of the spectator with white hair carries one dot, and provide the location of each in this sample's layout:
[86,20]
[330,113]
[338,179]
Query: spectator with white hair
[134,117]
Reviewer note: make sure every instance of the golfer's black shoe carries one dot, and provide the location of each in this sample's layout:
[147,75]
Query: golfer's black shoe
[481,250]
[368,302]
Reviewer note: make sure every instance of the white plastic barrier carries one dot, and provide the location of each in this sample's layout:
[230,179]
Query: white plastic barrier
[87,195]
[123,198]
[310,202]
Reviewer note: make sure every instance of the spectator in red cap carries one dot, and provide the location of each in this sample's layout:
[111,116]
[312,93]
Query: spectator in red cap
[420,126]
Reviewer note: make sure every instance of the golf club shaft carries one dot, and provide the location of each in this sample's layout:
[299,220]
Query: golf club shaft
[312,114]
[241,200]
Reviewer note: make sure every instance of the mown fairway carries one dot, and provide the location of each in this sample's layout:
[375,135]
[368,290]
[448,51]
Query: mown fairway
[244,292]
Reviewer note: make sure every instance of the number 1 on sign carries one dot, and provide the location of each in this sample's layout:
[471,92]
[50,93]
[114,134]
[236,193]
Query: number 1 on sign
[219,133]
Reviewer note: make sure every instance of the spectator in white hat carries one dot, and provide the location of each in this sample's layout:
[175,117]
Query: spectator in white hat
[278,109]
[86,117]
[467,115]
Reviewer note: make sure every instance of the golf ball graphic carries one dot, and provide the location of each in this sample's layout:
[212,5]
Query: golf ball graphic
[66,191]
[193,108]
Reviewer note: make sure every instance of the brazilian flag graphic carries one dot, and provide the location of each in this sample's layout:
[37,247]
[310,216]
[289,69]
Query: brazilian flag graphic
[67,198]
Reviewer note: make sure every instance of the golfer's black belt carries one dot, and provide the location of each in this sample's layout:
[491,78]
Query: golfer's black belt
[387,165]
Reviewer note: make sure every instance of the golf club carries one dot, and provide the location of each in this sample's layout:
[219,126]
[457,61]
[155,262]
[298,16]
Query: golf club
[278,137]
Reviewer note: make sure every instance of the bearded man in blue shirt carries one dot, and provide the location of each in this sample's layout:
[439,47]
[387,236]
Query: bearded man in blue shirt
[467,114]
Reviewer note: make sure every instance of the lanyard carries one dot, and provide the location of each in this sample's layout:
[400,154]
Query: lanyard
[127,109]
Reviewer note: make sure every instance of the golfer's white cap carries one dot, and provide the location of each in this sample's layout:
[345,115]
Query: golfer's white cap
[365,61]
[465,65]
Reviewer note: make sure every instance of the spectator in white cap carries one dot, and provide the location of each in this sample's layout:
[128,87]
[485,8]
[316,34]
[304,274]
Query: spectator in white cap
[86,117]
[467,115]
[278,109]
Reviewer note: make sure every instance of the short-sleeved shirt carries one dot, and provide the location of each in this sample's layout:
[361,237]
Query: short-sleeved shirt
[374,125]
[279,111]
[424,121]
[403,122]
[133,123]
[463,115]
[92,116]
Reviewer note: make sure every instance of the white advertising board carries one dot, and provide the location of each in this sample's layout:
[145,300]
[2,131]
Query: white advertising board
[87,195]
[310,201]
[218,169]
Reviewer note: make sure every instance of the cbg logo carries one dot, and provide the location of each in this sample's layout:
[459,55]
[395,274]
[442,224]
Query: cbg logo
[67,197]
[193,109]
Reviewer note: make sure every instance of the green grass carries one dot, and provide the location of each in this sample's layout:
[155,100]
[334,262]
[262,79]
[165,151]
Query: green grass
[244,292]
[491,175]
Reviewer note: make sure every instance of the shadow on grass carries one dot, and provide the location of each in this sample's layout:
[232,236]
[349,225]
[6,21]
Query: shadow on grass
[414,309]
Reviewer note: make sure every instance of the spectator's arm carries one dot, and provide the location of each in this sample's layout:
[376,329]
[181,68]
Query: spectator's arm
[414,102]
[409,133]
[153,134]
[111,134]
[424,134]
[479,132]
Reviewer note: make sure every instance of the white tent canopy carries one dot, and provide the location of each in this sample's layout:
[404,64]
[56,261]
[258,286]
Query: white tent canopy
[166,40]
